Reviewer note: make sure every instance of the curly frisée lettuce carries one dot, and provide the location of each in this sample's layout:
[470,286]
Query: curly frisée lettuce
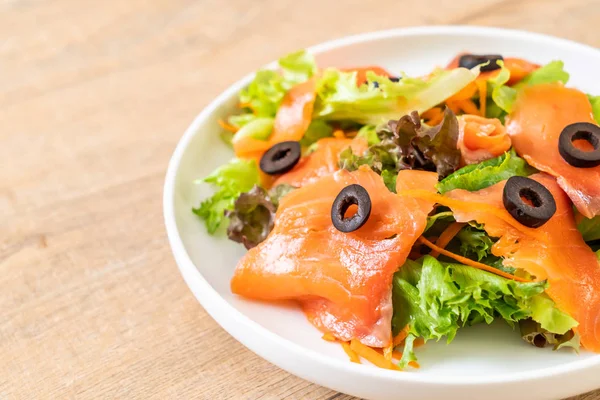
[487,173]
[435,299]
[231,180]
[380,100]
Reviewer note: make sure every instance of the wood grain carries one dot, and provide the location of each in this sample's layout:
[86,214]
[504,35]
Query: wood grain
[93,98]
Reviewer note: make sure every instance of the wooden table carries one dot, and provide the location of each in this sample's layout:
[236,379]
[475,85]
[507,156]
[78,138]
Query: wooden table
[93,98]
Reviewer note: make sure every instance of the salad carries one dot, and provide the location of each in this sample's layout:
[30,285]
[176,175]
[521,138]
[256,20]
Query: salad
[396,210]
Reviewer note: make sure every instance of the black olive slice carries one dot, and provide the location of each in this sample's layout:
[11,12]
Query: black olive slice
[574,156]
[528,201]
[281,158]
[472,60]
[353,194]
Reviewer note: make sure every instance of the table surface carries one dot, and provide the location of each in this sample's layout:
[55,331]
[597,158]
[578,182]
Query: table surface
[93,99]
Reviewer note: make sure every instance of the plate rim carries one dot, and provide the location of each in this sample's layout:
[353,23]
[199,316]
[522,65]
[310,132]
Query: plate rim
[212,301]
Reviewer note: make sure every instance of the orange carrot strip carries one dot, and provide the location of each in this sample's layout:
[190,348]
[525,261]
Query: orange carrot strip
[433,116]
[467,205]
[470,262]
[482,86]
[329,337]
[372,355]
[468,107]
[466,93]
[419,342]
[401,336]
[453,105]
[353,356]
[227,126]
[446,236]
[397,354]
[414,364]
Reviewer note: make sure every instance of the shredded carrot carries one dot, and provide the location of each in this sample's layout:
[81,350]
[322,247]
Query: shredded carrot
[348,349]
[401,336]
[418,342]
[414,364]
[482,86]
[453,105]
[446,236]
[339,134]
[481,207]
[329,337]
[372,355]
[433,116]
[467,106]
[227,126]
[466,93]
[397,355]
[470,262]
[387,351]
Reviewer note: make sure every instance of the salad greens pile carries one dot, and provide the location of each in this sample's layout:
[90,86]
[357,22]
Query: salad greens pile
[231,180]
[435,299]
[432,298]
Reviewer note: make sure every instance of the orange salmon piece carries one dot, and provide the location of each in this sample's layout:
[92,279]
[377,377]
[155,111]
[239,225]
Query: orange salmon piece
[343,281]
[557,252]
[540,114]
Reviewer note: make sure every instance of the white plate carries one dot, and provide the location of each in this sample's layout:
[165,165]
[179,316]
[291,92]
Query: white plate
[488,362]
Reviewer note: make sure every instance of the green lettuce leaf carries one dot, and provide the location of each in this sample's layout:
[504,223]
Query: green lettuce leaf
[265,93]
[435,299]
[339,99]
[595,102]
[550,73]
[590,228]
[504,97]
[487,173]
[389,178]
[474,243]
[369,133]
[317,129]
[550,318]
[231,180]
[242,119]
[444,217]
[258,128]
[297,67]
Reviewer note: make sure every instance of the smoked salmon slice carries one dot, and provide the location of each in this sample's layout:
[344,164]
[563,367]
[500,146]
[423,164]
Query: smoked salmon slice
[291,122]
[540,114]
[343,281]
[480,138]
[323,161]
[555,251]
